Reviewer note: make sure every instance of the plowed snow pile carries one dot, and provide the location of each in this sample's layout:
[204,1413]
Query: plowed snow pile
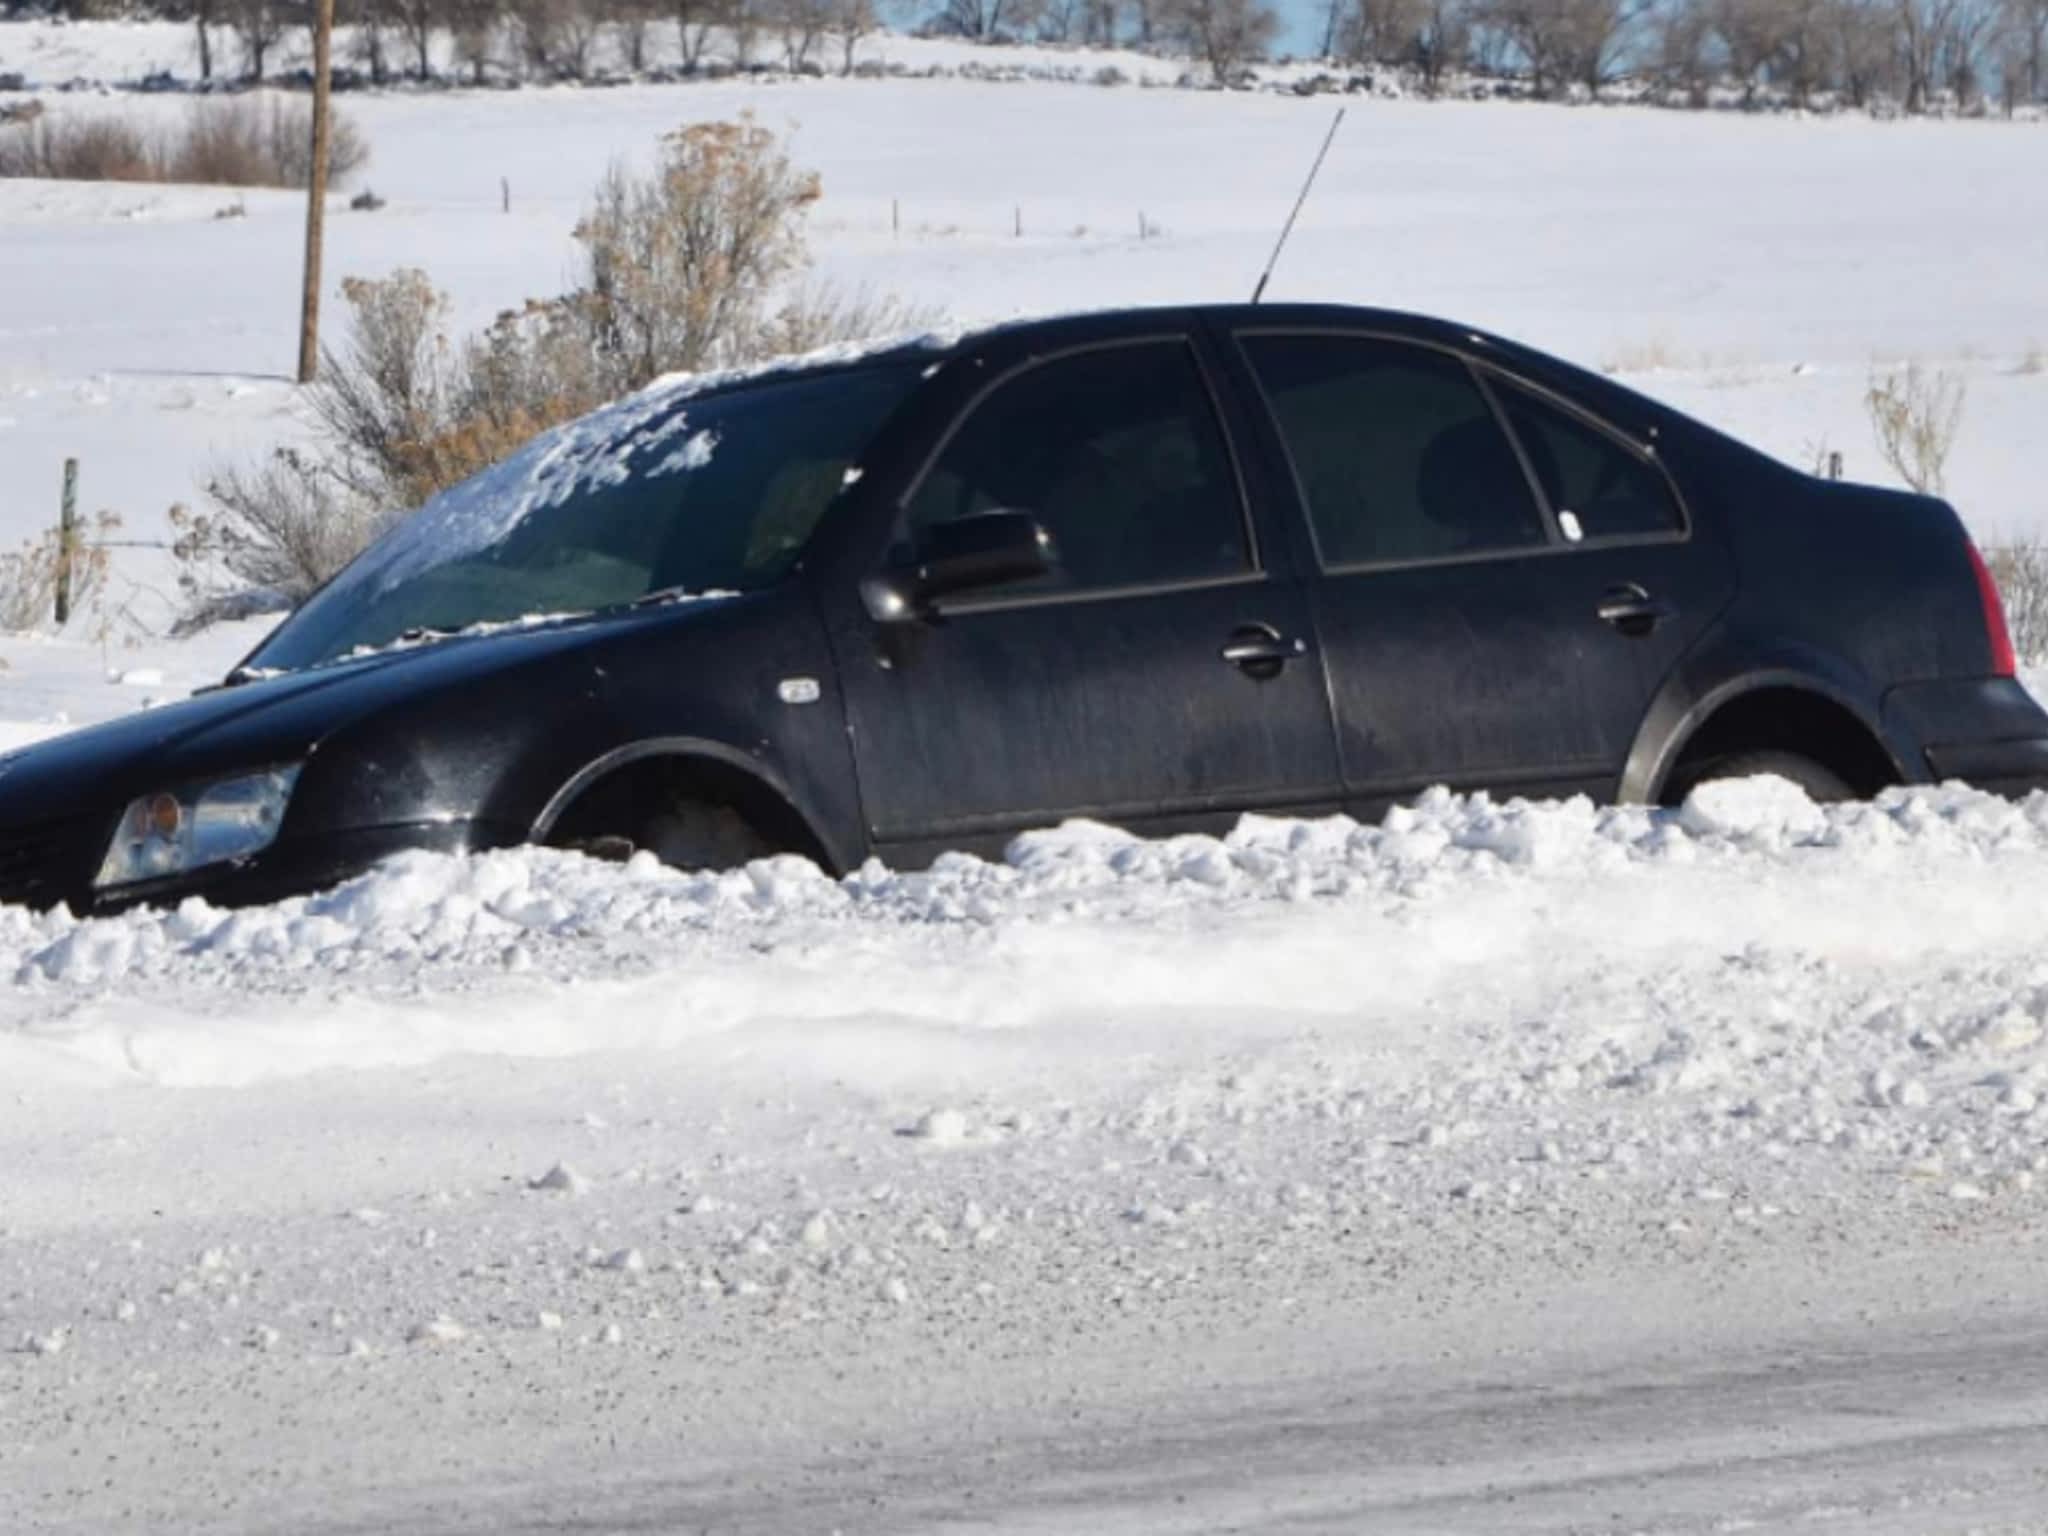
[293,1211]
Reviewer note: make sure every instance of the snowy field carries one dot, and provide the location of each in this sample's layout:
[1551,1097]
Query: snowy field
[1505,1168]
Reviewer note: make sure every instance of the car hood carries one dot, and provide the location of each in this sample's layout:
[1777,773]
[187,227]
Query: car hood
[274,719]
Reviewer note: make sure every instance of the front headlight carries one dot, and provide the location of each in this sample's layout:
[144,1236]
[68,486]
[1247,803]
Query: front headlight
[178,830]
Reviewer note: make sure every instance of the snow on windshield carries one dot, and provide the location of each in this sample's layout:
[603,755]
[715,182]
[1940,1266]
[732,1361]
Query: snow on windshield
[591,453]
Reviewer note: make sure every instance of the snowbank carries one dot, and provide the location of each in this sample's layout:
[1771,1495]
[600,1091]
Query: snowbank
[1079,916]
[695,1171]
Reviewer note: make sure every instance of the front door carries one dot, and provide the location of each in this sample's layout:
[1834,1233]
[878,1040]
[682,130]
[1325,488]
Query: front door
[1163,675]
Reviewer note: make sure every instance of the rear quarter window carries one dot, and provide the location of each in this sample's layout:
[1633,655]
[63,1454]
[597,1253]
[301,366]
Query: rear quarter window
[1598,486]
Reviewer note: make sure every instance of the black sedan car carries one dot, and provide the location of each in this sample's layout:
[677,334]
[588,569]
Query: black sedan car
[1158,568]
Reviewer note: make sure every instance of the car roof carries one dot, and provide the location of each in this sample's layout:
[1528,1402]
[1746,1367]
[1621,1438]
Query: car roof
[1137,318]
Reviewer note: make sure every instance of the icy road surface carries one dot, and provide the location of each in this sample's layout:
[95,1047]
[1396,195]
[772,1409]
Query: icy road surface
[1504,1168]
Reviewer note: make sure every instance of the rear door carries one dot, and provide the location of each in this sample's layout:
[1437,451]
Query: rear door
[1495,607]
[1163,675]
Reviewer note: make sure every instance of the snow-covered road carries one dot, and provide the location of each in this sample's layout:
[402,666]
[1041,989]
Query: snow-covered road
[1505,1167]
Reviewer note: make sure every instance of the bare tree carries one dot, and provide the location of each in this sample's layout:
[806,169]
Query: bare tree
[1921,30]
[1803,49]
[743,19]
[1226,34]
[631,20]
[1970,28]
[1565,41]
[1095,22]
[986,20]
[556,37]
[1381,31]
[1752,34]
[852,20]
[694,22]
[801,24]
[416,21]
[1336,15]
[1865,60]
[1058,19]
[205,16]
[1443,42]
[473,25]
[371,20]
[259,26]
[1685,33]
[2026,49]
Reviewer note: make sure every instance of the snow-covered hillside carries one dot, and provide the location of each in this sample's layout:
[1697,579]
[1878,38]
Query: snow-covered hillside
[1504,1168]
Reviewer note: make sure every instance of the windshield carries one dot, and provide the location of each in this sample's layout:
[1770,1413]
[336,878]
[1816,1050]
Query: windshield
[652,496]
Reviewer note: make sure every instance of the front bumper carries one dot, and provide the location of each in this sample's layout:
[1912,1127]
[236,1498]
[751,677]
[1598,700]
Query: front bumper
[55,867]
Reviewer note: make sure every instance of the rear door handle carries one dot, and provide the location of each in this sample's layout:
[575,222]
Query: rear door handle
[1259,650]
[1631,609]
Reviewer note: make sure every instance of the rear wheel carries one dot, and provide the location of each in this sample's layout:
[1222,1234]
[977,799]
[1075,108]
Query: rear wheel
[1821,783]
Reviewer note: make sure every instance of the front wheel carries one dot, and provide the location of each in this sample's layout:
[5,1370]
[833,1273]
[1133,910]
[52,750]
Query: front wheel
[685,834]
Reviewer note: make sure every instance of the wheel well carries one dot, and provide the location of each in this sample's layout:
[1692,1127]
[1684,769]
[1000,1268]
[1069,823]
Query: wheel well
[1788,720]
[623,799]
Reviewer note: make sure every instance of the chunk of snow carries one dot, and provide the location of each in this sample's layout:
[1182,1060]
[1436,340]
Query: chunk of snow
[942,1127]
[442,1329]
[561,1179]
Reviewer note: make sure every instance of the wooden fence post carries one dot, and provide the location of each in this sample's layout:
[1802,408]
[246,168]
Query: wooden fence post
[67,539]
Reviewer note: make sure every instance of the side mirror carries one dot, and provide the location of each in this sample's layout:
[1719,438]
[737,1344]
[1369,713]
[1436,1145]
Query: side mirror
[989,549]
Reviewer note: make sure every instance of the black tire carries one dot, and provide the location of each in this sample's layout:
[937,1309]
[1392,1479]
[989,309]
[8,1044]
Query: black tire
[697,835]
[1821,783]
[690,835]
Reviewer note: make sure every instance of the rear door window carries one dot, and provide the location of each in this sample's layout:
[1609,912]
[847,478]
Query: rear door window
[1117,452]
[1398,454]
[1599,487]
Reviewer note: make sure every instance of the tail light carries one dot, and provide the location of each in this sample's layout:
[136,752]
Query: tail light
[2003,662]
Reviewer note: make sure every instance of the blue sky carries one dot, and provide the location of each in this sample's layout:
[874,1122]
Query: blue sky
[1301,23]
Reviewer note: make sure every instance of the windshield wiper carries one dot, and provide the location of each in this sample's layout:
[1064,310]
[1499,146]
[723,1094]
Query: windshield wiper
[662,595]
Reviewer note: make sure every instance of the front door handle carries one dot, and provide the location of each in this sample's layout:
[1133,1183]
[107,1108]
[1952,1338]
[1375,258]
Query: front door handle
[1260,651]
[1631,609]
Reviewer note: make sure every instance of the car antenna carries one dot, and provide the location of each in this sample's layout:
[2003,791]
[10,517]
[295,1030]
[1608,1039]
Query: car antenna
[1288,228]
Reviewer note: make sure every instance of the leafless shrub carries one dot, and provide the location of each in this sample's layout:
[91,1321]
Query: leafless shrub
[1227,35]
[820,316]
[557,38]
[681,272]
[1915,415]
[679,266]
[238,142]
[284,527]
[221,142]
[68,147]
[31,574]
[2021,570]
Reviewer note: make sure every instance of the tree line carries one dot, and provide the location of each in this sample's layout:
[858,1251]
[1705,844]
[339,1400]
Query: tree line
[1912,56]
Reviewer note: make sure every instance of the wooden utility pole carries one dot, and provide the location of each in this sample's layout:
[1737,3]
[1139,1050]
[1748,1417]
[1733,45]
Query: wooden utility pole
[316,191]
